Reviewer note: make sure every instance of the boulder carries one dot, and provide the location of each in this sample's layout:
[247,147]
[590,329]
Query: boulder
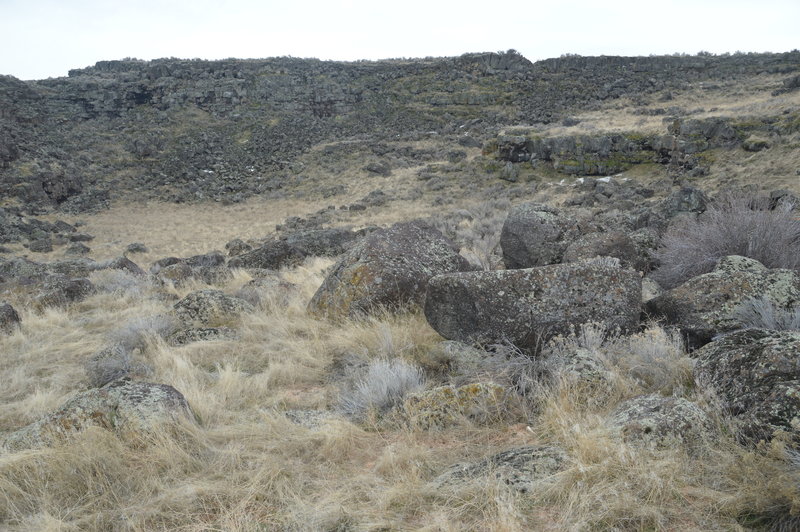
[608,244]
[9,319]
[388,269]
[187,336]
[756,376]
[122,406]
[237,246]
[41,245]
[706,305]
[77,249]
[272,256]
[526,307]
[323,242]
[177,274]
[446,406]
[658,422]
[535,235]
[59,291]
[210,308]
[521,469]
[122,263]
[585,367]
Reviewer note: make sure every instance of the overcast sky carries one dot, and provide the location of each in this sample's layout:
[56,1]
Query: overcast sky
[44,38]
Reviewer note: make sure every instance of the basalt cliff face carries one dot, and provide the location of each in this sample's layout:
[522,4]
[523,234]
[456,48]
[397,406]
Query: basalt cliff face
[189,130]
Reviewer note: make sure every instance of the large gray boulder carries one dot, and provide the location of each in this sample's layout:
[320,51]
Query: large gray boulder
[388,269]
[756,376]
[706,305]
[123,406]
[535,235]
[526,307]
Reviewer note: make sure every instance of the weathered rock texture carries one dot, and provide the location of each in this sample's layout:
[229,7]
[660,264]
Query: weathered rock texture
[756,375]
[706,305]
[210,308]
[388,269]
[446,406]
[9,319]
[535,235]
[123,406]
[655,421]
[526,307]
[521,469]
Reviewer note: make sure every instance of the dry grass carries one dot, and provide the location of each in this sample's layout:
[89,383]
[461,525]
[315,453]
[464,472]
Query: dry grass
[248,467]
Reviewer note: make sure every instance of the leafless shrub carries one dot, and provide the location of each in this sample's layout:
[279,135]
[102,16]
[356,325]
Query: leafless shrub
[120,282]
[134,334]
[762,313]
[507,364]
[383,385]
[112,363]
[733,225]
[477,231]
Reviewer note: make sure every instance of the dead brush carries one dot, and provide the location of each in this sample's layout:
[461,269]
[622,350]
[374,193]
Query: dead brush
[732,225]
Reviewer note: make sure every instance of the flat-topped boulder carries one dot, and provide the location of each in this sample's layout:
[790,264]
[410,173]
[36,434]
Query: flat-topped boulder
[528,306]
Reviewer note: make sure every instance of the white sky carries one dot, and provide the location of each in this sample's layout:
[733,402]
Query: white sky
[44,38]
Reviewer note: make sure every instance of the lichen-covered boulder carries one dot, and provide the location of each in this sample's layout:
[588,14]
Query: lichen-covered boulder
[123,406]
[272,255]
[323,242]
[388,269]
[584,367]
[446,406]
[521,469]
[535,235]
[607,244]
[203,334]
[210,308]
[706,305]
[527,307]
[756,375]
[9,319]
[122,263]
[59,291]
[656,422]
[177,274]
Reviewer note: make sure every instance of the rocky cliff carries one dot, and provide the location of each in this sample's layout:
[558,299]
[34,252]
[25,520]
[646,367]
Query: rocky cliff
[184,130]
